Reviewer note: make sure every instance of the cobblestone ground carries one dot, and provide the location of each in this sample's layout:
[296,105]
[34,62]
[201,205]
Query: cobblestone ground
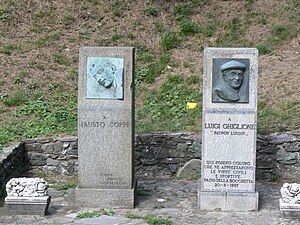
[173,199]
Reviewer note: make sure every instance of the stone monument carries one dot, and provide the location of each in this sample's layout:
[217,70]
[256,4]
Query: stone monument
[106,127]
[290,201]
[27,196]
[229,130]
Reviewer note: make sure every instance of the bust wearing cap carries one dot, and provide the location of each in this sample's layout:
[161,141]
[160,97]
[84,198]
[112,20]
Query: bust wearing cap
[233,74]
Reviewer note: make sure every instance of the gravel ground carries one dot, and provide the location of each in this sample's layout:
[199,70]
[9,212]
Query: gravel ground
[166,198]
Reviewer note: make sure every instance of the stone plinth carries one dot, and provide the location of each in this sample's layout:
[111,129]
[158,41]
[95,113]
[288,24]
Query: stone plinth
[27,196]
[290,201]
[229,130]
[289,210]
[105,127]
[28,205]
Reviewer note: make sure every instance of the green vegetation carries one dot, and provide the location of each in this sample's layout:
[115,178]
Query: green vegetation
[159,206]
[151,71]
[9,48]
[66,186]
[165,108]
[87,214]
[169,39]
[93,213]
[40,116]
[151,11]
[152,220]
[274,178]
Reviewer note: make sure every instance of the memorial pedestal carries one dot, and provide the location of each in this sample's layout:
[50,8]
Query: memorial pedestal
[229,130]
[227,201]
[28,205]
[289,210]
[106,128]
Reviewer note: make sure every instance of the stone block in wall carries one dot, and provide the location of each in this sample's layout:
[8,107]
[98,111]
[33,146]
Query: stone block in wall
[196,150]
[282,138]
[190,170]
[44,140]
[264,162]
[155,152]
[292,147]
[52,162]
[72,149]
[288,158]
[68,139]
[173,160]
[47,148]
[266,148]
[183,147]
[149,161]
[57,147]
[37,159]
[34,147]
[177,153]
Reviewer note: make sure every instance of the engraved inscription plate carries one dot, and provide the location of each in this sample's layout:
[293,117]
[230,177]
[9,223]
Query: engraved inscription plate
[104,78]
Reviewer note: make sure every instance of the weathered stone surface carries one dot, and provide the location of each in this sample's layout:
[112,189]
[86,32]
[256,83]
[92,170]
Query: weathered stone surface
[282,138]
[68,139]
[57,147]
[38,159]
[229,130]
[264,162]
[290,200]
[48,148]
[182,147]
[190,170]
[26,187]
[34,147]
[51,162]
[292,147]
[288,158]
[105,127]
[27,196]
[28,205]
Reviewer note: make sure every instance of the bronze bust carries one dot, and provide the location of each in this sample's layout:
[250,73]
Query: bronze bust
[232,79]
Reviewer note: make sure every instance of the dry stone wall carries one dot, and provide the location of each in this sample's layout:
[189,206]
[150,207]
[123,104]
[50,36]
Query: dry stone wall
[156,155]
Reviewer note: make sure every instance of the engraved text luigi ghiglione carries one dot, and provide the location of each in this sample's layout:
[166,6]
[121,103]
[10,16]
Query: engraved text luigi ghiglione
[228,90]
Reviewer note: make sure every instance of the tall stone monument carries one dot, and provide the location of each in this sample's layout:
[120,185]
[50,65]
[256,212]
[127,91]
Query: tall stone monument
[229,130]
[106,127]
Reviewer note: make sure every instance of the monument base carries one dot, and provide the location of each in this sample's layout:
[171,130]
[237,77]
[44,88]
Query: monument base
[228,201]
[28,205]
[289,210]
[106,198]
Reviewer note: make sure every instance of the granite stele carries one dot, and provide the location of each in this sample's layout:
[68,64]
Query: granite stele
[229,130]
[106,127]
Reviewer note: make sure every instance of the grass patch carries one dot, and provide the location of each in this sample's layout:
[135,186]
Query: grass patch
[47,39]
[87,214]
[4,15]
[61,59]
[66,186]
[17,99]
[40,116]
[152,220]
[278,118]
[94,213]
[9,48]
[169,40]
[151,11]
[150,72]
[164,109]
